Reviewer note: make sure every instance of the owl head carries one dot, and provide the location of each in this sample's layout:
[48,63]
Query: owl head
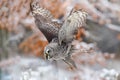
[51,49]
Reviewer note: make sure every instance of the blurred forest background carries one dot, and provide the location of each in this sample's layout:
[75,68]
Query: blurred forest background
[19,36]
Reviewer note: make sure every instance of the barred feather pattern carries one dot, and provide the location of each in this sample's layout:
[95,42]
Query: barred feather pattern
[77,19]
[70,26]
[43,20]
[36,9]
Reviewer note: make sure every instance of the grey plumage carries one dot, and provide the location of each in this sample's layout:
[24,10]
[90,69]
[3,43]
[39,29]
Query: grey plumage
[54,51]
[43,20]
[70,26]
[36,9]
[59,35]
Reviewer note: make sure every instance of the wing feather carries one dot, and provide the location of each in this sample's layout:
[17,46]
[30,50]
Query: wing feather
[43,20]
[71,24]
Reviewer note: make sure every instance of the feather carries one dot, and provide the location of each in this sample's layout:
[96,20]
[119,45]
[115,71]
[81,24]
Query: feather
[43,20]
[72,23]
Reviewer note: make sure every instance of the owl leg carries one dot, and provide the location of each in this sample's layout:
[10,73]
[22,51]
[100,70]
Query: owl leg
[69,48]
[70,62]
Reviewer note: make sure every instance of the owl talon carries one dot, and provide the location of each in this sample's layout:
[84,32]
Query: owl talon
[70,63]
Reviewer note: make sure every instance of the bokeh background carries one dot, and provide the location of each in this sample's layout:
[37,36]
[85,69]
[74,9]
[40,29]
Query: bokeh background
[21,41]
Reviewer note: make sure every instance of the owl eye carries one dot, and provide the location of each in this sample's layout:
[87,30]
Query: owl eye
[47,51]
[47,55]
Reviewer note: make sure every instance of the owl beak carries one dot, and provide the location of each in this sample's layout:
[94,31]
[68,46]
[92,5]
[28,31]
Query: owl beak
[47,57]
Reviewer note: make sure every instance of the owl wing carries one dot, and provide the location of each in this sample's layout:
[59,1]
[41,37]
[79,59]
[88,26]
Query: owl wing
[72,23]
[43,20]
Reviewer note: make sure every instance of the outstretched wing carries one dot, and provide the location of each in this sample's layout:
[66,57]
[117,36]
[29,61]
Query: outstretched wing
[43,20]
[72,23]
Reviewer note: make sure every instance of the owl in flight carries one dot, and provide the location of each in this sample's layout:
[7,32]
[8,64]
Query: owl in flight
[59,35]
